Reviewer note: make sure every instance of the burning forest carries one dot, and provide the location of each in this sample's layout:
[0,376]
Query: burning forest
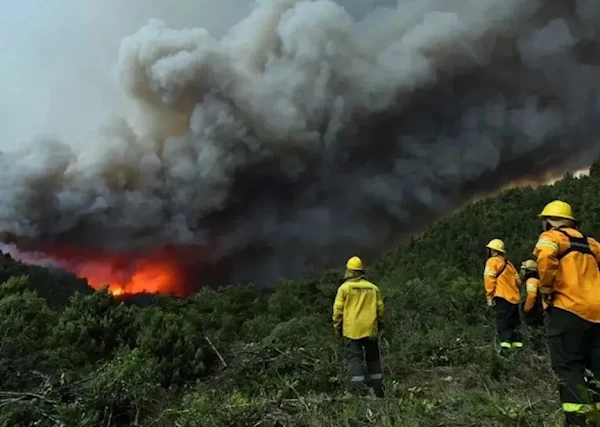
[306,134]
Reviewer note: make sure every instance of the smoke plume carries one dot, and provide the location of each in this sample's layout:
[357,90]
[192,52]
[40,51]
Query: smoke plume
[306,135]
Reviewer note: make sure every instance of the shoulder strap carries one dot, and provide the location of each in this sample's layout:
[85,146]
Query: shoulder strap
[560,230]
[499,273]
[577,244]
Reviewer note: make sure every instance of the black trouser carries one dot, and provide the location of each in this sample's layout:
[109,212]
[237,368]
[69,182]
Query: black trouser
[574,345]
[534,319]
[507,323]
[360,351]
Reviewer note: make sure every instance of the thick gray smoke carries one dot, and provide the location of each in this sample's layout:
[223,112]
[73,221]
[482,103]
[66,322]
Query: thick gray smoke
[304,136]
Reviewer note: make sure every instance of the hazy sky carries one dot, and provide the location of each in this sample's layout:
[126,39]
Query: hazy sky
[56,57]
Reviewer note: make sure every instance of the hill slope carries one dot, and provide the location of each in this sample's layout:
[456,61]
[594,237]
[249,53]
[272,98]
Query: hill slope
[54,285]
[231,357]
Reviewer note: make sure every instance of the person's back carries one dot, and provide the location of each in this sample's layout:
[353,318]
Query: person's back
[357,317]
[575,259]
[506,278]
[570,284]
[502,282]
[359,299]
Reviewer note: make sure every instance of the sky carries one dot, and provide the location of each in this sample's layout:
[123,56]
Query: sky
[56,58]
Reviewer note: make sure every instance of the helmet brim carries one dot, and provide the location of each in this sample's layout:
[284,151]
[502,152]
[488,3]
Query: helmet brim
[545,216]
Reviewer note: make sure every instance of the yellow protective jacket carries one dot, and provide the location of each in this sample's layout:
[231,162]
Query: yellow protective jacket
[501,280]
[532,286]
[357,308]
[568,269]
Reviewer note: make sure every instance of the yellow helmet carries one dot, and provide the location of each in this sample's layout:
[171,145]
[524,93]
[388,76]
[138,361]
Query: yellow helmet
[497,245]
[557,209]
[529,265]
[354,263]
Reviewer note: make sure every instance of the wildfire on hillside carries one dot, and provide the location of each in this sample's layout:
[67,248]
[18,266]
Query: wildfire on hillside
[149,274]
[161,271]
[164,271]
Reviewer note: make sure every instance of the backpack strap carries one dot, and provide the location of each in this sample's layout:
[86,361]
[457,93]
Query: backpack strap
[502,269]
[577,244]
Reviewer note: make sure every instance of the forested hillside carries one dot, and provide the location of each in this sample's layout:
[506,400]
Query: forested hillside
[233,357]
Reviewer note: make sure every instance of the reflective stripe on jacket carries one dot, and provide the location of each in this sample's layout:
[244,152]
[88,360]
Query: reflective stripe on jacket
[532,286]
[506,284]
[570,272]
[357,308]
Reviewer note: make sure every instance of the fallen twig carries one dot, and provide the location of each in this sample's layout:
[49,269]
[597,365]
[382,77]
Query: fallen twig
[216,351]
[23,395]
[169,412]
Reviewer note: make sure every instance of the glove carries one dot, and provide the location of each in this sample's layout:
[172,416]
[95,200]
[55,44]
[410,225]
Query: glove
[380,325]
[490,302]
[338,331]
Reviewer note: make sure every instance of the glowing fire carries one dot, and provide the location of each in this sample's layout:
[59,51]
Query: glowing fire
[151,275]
[155,272]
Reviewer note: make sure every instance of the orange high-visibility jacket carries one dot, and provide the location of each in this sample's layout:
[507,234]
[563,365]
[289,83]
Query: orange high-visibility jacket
[568,269]
[502,284]
[357,308]
[532,285]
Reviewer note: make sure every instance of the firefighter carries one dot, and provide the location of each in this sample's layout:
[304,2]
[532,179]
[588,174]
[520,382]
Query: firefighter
[357,318]
[502,284]
[534,306]
[570,285]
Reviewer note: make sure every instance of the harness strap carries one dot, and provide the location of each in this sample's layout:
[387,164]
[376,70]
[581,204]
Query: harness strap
[499,273]
[577,244]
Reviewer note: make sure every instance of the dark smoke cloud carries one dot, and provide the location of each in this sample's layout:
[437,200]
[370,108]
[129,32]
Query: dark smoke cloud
[305,136]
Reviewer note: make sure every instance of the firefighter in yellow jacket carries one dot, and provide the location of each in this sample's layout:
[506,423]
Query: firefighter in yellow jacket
[502,284]
[357,318]
[534,305]
[570,284]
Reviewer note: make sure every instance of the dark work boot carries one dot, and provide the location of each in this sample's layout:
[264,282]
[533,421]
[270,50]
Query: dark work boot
[575,420]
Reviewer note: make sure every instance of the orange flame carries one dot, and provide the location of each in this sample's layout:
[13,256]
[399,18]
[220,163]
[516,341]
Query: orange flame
[129,276]
[159,271]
